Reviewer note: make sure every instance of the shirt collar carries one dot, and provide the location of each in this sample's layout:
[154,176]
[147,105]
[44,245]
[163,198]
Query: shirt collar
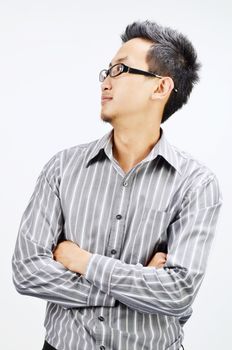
[162,148]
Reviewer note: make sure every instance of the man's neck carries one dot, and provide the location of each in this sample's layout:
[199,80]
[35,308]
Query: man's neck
[131,146]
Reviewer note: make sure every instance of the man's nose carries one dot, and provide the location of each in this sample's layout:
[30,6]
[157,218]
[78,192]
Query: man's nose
[106,84]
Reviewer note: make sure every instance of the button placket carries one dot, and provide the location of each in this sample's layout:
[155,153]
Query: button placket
[117,228]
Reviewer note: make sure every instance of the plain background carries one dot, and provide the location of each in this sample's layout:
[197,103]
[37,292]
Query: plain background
[50,54]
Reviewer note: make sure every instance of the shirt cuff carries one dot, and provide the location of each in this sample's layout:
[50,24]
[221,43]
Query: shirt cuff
[99,271]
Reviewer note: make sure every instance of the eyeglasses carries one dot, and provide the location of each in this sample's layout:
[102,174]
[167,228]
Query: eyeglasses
[120,68]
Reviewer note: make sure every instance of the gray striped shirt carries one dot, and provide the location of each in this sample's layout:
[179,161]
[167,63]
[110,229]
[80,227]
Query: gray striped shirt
[120,303]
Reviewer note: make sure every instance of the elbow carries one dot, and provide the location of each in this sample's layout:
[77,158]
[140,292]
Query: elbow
[177,301]
[24,287]
[20,281]
[181,303]
[18,286]
[177,308]
[175,292]
[181,307]
[182,293]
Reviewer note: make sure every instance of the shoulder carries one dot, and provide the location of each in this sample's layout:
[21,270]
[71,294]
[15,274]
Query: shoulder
[64,157]
[193,168]
[196,176]
[57,164]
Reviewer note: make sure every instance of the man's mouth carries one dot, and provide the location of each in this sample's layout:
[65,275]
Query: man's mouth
[105,99]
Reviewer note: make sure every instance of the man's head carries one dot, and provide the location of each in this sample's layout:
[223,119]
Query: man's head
[149,47]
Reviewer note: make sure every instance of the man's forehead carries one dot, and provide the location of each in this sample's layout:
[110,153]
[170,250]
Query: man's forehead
[118,60]
[131,51]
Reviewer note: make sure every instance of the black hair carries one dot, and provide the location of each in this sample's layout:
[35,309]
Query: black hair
[171,54]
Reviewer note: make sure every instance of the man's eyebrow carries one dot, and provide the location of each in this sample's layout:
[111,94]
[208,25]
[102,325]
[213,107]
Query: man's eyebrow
[119,60]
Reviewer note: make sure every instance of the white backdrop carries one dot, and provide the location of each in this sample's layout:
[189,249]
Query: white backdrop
[50,54]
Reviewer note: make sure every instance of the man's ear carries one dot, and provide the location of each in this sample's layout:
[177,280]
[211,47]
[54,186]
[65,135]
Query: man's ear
[164,88]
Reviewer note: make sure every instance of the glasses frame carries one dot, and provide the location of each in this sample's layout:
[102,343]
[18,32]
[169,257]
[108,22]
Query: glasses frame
[127,69]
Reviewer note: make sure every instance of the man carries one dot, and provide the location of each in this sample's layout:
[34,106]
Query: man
[101,211]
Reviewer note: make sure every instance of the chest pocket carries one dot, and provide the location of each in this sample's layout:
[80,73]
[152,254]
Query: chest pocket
[153,227]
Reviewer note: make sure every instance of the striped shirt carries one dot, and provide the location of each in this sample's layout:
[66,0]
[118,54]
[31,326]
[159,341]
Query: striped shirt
[83,195]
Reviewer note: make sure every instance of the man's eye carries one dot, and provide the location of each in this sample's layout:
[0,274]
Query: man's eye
[116,70]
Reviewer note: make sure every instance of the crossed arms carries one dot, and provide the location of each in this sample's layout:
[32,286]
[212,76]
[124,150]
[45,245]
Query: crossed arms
[65,274]
[76,259]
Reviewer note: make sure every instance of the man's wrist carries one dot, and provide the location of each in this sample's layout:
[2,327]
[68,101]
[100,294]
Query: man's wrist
[80,265]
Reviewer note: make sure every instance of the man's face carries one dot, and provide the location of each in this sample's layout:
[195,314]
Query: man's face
[130,92]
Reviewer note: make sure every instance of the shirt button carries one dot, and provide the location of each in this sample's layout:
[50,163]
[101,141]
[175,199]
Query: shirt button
[118,216]
[113,251]
[125,183]
[102,347]
[101,318]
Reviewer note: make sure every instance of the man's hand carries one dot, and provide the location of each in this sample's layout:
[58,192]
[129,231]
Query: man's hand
[72,256]
[158,260]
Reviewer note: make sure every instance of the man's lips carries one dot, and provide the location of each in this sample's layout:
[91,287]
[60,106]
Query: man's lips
[106,99]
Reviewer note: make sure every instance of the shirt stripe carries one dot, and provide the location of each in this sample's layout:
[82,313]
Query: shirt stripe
[83,195]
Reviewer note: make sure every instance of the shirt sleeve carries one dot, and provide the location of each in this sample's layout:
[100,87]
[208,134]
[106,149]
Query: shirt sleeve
[35,272]
[172,289]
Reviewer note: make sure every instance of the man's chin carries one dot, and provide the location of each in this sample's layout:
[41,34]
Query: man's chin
[106,118]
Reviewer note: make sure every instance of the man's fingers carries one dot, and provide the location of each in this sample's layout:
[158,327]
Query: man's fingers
[158,260]
[162,255]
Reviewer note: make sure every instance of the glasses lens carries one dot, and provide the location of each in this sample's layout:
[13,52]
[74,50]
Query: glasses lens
[102,75]
[116,70]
